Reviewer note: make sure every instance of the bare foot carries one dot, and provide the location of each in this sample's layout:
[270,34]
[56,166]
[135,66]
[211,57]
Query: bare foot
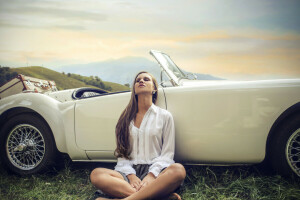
[172,196]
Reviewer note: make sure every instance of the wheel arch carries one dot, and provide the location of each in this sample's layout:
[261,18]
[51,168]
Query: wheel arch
[59,116]
[21,110]
[287,114]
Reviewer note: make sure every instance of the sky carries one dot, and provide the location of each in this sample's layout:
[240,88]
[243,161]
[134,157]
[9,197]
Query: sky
[232,39]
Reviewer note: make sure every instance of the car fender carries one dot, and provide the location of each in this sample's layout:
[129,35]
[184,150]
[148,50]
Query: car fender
[59,116]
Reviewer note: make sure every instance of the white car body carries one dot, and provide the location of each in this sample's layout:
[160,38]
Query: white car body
[216,121]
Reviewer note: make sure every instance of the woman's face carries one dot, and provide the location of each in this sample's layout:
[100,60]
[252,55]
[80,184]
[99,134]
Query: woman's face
[143,84]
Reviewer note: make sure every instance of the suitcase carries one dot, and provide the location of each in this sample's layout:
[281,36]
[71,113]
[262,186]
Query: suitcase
[26,84]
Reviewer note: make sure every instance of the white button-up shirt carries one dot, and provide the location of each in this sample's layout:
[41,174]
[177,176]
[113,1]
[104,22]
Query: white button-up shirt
[153,143]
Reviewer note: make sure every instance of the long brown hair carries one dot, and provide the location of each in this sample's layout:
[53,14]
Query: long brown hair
[122,129]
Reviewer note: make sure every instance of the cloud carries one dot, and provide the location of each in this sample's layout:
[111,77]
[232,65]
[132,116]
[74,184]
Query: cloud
[238,35]
[58,13]
[232,38]
[47,14]
[259,64]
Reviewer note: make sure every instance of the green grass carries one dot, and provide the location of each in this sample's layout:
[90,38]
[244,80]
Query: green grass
[62,80]
[72,182]
[238,183]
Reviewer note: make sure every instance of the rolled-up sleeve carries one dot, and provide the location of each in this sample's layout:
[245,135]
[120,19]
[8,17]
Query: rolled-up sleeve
[168,147]
[124,165]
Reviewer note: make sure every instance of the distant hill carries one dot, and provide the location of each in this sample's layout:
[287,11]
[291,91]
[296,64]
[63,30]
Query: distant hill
[63,81]
[122,70]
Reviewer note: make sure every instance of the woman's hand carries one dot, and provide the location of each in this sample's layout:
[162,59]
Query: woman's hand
[134,181]
[147,180]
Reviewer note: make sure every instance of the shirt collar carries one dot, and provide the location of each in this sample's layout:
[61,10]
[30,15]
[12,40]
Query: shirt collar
[153,108]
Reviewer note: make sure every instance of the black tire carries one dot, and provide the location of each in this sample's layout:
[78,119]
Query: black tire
[26,146]
[285,148]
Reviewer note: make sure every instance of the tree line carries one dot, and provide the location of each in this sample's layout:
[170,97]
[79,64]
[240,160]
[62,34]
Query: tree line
[92,80]
[6,75]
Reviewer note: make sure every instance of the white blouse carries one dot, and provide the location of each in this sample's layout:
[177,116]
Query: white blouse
[153,143]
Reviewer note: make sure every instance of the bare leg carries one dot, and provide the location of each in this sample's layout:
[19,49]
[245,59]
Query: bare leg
[164,184]
[111,182]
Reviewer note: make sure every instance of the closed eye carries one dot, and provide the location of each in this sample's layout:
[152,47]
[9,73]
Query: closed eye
[145,79]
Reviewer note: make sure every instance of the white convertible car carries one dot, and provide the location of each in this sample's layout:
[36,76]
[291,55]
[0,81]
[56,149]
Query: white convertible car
[218,122]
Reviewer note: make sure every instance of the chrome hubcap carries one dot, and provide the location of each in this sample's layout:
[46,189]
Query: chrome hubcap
[292,151]
[25,147]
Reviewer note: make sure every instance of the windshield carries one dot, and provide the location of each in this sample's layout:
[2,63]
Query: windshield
[171,69]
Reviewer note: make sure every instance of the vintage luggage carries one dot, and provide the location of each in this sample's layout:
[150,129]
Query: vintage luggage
[26,84]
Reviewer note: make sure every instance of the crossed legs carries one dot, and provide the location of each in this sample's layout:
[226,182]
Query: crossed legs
[112,183]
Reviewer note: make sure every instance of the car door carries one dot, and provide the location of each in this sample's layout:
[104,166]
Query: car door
[96,119]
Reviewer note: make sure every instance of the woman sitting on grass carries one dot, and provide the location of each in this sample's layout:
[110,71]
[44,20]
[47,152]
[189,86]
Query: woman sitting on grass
[145,150]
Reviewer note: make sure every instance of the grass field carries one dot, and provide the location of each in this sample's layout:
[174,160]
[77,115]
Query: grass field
[71,181]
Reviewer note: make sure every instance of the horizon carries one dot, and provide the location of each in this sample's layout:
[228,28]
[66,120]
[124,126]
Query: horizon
[235,40]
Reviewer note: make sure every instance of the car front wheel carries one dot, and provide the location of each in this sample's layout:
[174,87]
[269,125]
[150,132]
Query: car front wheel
[27,145]
[285,147]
